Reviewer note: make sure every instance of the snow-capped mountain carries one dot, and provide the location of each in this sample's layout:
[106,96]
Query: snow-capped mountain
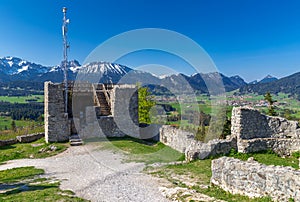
[13,65]
[12,68]
[15,69]
[103,72]
[56,74]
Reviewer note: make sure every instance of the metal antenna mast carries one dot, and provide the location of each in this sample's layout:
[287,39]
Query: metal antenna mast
[65,62]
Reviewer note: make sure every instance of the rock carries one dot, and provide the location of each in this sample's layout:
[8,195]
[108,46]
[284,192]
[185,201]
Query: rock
[53,148]
[256,180]
[250,159]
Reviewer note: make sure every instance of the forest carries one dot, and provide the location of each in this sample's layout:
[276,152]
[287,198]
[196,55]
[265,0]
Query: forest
[18,111]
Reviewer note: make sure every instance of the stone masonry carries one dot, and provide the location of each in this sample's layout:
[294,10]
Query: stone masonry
[185,142]
[56,120]
[256,180]
[124,104]
[251,132]
[84,116]
[124,118]
[257,132]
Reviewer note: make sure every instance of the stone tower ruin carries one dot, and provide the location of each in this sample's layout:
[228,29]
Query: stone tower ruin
[95,110]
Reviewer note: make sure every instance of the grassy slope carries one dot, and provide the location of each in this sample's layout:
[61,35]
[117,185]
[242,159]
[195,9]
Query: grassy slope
[6,121]
[30,150]
[142,151]
[9,134]
[269,158]
[25,185]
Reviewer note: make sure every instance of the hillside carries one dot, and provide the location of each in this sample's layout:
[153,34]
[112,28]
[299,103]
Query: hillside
[289,85]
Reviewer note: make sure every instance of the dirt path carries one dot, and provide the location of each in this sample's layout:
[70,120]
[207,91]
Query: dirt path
[97,175]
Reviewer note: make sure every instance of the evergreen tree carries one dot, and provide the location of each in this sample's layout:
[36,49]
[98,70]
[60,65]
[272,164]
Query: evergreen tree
[13,126]
[271,108]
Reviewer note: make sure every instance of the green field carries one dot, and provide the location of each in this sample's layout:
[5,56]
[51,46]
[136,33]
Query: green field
[6,121]
[22,99]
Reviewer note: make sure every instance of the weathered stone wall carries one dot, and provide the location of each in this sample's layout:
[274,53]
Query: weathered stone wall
[281,146]
[248,123]
[124,105]
[8,142]
[30,138]
[57,127]
[257,132]
[256,180]
[103,126]
[216,147]
[185,142]
[22,139]
[177,139]
[85,120]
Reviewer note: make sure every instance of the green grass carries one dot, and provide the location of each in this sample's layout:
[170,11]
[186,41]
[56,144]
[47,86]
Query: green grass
[219,193]
[25,185]
[269,158]
[37,149]
[6,121]
[17,174]
[142,151]
[22,99]
[200,170]
[9,134]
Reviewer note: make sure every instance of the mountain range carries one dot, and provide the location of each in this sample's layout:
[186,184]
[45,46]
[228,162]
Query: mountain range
[289,85]
[13,69]
[267,79]
[16,69]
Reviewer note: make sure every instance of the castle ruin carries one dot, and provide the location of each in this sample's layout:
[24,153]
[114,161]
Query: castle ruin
[94,110]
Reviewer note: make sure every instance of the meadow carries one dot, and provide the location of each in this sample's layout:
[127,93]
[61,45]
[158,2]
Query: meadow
[22,99]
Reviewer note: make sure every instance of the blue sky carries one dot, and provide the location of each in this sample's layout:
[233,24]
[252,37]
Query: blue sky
[251,38]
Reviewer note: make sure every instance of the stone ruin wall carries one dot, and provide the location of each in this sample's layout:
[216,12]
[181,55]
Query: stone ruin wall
[258,132]
[85,122]
[253,179]
[57,127]
[124,107]
[185,142]
[122,122]
[251,132]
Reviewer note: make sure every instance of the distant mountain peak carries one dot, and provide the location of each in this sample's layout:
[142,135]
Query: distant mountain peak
[253,82]
[269,76]
[289,85]
[236,77]
[268,79]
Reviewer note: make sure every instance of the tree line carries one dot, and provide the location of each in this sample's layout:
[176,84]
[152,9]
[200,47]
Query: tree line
[18,111]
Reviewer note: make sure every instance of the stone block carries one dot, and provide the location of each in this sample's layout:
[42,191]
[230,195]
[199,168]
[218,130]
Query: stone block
[253,179]
[30,138]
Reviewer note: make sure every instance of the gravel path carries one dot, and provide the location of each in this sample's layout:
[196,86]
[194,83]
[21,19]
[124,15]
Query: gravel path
[97,175]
